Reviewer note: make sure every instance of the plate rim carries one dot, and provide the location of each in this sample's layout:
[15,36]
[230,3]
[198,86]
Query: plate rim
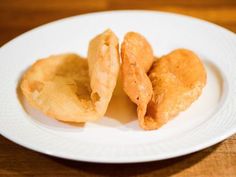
[202,146]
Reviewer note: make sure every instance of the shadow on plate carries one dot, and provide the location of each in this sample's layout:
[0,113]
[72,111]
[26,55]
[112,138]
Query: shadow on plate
[121,108]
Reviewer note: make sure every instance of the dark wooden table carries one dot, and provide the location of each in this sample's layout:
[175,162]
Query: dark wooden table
[18,16]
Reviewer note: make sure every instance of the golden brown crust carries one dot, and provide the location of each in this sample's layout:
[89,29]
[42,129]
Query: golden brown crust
[137,57]
[177,80]
[104,64]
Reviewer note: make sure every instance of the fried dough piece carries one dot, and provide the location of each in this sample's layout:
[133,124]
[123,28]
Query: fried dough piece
[137,58]
[104,65]
[61,88]
[177,80]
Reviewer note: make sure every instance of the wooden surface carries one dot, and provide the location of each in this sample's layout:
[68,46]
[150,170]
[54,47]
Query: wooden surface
[18,16]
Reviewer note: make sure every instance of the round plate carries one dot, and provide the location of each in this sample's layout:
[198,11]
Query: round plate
[117,138]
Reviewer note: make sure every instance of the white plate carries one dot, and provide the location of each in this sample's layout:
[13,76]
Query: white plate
[117,138]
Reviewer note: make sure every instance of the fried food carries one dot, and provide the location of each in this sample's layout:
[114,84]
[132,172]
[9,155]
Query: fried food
[69,88]
[104,65]
[59,87]
[72,89]
[137,58]
[177,80]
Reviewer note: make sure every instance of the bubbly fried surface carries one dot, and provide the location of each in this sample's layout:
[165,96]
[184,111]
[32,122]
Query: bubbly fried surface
[137,58]
[177,80]
[69,88]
